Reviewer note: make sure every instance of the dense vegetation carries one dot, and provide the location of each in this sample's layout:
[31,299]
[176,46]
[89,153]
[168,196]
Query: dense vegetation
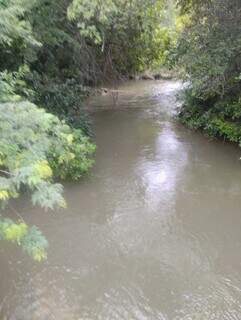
[209,51]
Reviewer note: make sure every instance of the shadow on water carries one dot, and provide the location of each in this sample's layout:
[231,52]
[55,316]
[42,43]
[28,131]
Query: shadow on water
[153,233]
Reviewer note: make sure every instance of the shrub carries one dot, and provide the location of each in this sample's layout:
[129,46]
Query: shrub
[35,147]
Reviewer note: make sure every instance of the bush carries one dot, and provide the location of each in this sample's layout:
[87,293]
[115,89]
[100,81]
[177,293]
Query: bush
[221,120]
[209,50]
[63,98]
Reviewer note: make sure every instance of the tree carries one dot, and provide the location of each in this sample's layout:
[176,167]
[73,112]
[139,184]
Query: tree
[124,33]
[209,50]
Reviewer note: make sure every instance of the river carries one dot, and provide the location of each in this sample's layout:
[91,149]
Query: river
[153,233]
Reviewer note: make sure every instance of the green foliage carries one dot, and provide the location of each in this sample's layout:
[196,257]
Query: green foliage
[35,147]
[30,138]
[64,99]
[209,50]
[12,25]
[222,120]
[75,160]
[94,17]
[64,66]
[13,86]
[30,239]
[124,34]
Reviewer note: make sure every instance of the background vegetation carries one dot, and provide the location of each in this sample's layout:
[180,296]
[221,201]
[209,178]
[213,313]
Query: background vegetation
[209,51]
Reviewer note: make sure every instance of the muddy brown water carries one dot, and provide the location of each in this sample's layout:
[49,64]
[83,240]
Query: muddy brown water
[153,233]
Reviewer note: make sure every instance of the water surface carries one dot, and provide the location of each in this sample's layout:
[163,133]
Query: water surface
[153,233]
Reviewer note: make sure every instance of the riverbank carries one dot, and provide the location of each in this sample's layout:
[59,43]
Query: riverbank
[161,74]
[219,121]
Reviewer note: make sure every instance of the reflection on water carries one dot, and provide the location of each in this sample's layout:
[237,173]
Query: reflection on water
[153,233]
[161,171]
